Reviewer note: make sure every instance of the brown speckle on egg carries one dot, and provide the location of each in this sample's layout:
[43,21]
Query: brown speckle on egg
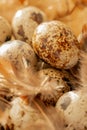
[55,43]
[74,106]
[5,30]
[22,33]
[54,87]
[25,21]
[37,17]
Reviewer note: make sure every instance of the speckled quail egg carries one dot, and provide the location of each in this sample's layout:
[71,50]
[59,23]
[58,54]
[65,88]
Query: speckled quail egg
[5,30]
[21,115]
[25,21]
[54,85]
[19,53]
[56,44]
[74,106]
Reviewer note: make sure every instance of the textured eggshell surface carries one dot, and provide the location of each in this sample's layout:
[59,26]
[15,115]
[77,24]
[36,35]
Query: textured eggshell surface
[19,53]
[25,21]
[54,86]
[55,43]
[74,106]
[5,30]
[22,115]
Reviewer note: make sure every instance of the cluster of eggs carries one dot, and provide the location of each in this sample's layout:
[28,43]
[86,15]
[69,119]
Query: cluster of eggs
[52,41]
[36,39]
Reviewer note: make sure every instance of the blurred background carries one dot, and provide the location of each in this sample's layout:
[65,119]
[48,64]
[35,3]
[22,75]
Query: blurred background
[71,12]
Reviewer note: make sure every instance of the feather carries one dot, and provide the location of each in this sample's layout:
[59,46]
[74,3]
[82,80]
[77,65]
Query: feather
[83,70]
[4,116]
[83,38]
[52,119]
[15,81]
[5,105]
[29,82]
[5,98]
[24,85]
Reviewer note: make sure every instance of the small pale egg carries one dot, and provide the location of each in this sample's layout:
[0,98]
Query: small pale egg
[74,106]
[5,30]
[56,44]
[21,115]
[25,21]
[53,86]
[20,54]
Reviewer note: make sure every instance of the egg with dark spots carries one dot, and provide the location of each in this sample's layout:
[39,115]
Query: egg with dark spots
[53,85]
[25,21]
[19,53]
[74,106]
[56,44]
[21,115]
[5,30]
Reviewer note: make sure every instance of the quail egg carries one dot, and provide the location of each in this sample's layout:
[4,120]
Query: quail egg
[53,85]
[74,106]
[21,115]
[5,30]
[19,53]
[56,44]
[25,21]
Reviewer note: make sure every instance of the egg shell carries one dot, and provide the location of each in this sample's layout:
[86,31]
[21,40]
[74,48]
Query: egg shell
[74,106]
[25,21]
[54,86]
[5,30]
[56,44]
[21,115]
[19,53]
